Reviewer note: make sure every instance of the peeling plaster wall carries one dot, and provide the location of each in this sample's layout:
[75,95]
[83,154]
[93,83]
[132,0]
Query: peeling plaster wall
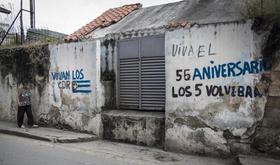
[195,121]
[144,128]
[75,91]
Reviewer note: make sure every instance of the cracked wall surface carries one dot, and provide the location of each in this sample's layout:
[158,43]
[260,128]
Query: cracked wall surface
[215,90]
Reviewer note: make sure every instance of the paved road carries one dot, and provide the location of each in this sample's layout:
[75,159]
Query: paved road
[22,151]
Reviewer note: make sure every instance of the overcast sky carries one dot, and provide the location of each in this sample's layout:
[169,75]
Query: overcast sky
[66,16]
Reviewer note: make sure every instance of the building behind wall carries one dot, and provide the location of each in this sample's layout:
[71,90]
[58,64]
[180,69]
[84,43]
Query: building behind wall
[190,76]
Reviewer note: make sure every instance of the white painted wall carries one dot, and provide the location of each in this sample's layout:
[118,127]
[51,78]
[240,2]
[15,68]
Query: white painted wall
[231,42]
[77,107]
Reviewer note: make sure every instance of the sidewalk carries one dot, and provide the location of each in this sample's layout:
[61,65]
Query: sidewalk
[45,134]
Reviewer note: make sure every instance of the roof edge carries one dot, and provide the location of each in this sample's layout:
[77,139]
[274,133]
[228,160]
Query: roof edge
[107,18]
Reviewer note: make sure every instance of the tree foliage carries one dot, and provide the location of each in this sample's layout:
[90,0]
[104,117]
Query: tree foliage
[269,9]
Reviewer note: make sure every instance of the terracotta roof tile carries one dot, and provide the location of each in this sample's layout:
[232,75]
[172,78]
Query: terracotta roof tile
[122,10]
[112,12]
[108,18]
[118,12]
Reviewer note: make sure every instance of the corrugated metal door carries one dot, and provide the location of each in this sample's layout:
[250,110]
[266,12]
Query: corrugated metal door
[142,73]
[129,74]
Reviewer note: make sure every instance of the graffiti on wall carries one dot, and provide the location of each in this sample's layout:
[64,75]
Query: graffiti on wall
[73,80]
[213,71]
[199,51]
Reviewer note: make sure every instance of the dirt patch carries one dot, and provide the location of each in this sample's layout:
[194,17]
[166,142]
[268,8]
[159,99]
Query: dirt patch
[166,157]
[54,114]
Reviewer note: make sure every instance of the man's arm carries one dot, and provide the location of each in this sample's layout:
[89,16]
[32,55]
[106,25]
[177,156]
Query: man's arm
[18,94]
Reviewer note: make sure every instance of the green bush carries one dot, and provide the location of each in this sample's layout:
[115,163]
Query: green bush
[263,8]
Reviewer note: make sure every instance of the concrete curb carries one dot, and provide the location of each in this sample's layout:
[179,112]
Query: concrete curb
[26,135]
[61,140]
[48,139]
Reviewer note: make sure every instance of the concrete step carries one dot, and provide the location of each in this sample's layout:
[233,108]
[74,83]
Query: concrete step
[144,128]
[45,134]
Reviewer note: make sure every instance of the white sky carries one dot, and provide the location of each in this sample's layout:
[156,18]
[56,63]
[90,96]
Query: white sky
[66,16]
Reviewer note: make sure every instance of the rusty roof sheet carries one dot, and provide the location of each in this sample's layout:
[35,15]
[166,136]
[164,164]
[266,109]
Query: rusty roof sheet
[108,18]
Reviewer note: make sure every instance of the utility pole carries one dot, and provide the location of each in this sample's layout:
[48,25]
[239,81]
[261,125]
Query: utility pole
[20,14]
[32,14]
[21,23]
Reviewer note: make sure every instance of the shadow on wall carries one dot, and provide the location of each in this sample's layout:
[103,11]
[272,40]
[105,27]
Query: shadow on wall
[267,133]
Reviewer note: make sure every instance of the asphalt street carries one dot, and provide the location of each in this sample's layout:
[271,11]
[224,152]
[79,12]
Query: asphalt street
[23,151]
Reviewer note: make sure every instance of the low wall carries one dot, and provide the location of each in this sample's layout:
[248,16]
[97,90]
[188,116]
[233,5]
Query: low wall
[65,80]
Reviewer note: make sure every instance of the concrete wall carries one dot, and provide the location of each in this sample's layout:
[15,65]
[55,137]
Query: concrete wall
[74,87]
[214,90]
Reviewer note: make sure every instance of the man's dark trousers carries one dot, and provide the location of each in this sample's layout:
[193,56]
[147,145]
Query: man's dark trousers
[20,116]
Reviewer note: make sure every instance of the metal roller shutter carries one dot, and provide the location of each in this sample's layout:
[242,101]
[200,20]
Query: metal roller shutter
[153,83]
[142,73]
[129,83]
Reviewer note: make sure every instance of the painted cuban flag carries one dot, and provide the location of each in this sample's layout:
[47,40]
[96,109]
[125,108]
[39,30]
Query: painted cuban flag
[81,86]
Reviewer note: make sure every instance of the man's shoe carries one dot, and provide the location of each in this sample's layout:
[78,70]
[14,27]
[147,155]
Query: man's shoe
[34,126]
[22,126]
